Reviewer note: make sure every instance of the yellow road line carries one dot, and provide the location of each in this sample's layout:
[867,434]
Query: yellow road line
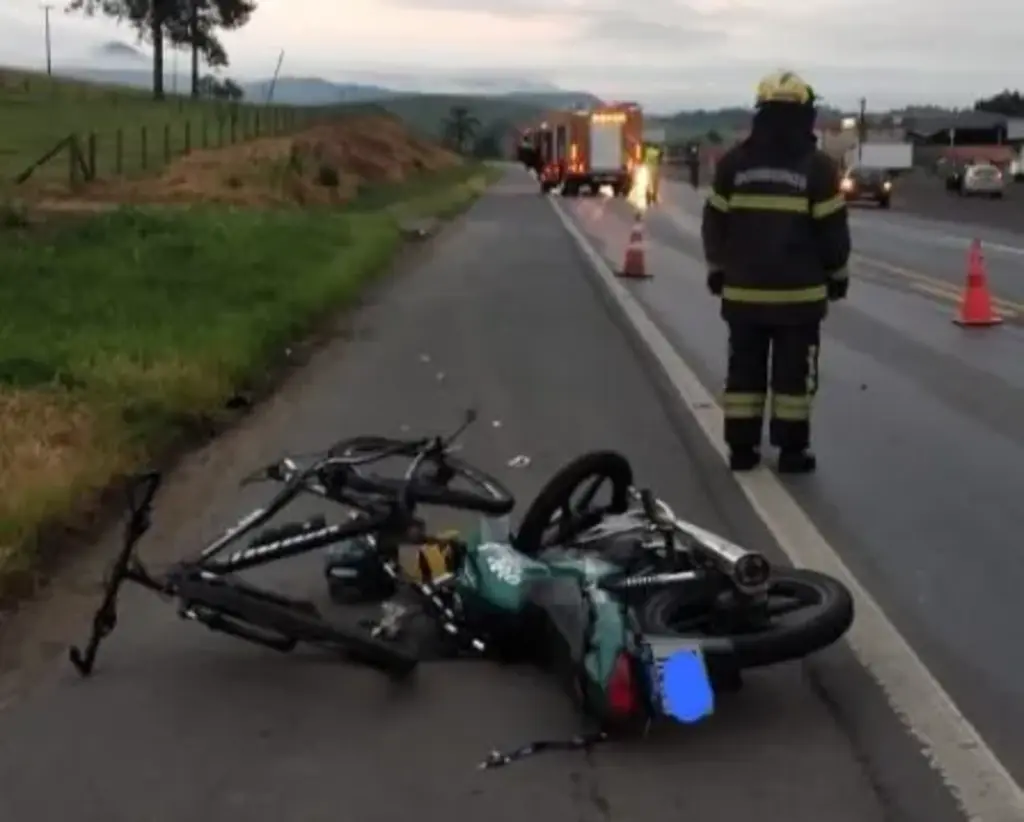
[933,285]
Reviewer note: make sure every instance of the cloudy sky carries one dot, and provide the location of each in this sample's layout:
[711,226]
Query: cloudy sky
[666,53]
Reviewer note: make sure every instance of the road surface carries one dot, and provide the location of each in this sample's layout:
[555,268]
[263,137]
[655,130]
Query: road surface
[179,724]
[919,428]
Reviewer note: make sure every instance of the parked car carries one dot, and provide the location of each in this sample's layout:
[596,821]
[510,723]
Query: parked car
[867,184]
[982,180]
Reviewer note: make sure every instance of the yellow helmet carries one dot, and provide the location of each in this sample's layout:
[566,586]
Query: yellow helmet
[785,87]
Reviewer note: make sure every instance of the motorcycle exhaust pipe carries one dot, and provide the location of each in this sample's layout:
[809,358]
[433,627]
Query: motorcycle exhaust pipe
[749,571]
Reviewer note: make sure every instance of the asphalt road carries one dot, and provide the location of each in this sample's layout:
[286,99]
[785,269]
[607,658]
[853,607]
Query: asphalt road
[925,195]
[919,428]
[179,724]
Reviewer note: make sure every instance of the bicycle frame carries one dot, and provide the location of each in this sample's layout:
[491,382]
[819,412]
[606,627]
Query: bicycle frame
[127,567]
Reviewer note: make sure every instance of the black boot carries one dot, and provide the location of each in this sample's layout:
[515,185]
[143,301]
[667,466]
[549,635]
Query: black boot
[744,459]
[796,461]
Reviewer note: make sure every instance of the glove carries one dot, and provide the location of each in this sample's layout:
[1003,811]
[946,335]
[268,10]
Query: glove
[837,289]
[716,281]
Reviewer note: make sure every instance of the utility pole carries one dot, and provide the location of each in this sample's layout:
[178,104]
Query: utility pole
[47,8]
[273,82]
[862,129]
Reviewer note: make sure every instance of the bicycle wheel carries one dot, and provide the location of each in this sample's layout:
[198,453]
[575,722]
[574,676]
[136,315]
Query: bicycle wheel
[293,620]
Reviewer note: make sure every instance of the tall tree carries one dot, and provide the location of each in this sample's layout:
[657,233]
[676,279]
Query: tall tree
[195,25]
[191,23]
[147,17]
[460,127]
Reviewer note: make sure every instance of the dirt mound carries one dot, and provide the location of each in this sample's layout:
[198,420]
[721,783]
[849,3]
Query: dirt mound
[327,164]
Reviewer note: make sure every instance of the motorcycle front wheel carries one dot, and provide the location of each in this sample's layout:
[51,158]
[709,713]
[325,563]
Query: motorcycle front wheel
[805,612]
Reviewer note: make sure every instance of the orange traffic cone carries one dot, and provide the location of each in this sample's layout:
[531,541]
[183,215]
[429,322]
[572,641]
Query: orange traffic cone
[976,303]
[634,265]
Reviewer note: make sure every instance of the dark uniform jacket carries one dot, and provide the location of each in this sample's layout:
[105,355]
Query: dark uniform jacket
[775,231]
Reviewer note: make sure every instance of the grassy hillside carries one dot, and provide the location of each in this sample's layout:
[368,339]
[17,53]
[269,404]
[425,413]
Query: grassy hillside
[38,112]
[427,113]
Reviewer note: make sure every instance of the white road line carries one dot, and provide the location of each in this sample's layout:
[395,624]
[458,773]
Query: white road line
[888,223]
[931,236]
[978,780]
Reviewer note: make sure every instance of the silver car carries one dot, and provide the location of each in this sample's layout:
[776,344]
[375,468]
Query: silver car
[982,180]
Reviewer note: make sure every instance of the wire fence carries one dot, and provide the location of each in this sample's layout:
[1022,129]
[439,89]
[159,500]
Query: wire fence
[65,133]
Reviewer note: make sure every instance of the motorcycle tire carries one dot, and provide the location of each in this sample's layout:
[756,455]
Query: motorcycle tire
[559,489]
[820,625]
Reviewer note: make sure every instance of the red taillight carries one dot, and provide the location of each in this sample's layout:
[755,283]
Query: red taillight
[623,698]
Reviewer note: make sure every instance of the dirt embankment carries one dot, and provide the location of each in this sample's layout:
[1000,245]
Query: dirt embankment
[331,163]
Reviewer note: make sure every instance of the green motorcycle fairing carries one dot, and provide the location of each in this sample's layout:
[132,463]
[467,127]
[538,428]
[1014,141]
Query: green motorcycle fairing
[505,585]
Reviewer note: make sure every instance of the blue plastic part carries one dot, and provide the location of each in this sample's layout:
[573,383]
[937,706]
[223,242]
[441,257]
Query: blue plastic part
[687,695]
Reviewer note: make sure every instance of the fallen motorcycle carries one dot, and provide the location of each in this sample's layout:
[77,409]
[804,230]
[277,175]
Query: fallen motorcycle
[640,613]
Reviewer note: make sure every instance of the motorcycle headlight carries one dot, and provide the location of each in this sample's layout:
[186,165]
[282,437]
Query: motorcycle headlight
[846,185]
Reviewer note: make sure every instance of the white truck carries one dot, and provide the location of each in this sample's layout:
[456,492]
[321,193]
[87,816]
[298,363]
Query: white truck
[892,157]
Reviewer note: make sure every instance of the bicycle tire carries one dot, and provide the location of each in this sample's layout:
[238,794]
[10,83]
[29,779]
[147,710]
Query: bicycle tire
[298,621]
[830,620]
[560,487]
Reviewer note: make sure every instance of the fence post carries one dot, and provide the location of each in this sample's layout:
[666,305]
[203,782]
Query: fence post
[72,161]
[220,130]
[188,136]
[167,142]
[205,134]
[144,147]
[234,125]
[91,164]
[257,124]
[119,152]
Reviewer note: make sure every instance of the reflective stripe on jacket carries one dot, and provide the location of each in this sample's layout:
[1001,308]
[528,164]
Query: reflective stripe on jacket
[779,233]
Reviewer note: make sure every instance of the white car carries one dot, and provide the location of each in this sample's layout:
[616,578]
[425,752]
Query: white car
[982,180]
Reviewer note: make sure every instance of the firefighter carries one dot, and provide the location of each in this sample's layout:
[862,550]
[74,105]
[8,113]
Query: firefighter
[652,159]
[776,240]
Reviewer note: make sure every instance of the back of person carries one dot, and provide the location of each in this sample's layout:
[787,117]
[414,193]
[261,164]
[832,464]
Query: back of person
[773,184]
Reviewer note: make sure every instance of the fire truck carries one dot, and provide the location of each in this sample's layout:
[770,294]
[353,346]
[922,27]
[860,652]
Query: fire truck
[587,149]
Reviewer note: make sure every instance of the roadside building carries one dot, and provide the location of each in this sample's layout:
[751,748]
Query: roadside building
[960,137]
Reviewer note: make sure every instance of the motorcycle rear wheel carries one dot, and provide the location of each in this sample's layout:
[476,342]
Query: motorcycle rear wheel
[824,614]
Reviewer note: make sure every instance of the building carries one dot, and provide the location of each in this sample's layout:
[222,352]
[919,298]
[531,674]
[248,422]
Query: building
[961,136]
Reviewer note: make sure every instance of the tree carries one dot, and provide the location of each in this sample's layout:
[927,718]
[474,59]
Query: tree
[217,89]
[460,127]
[147,17]
[1008,103]
[191,23]
[713,137]
[490,143]
[194,24]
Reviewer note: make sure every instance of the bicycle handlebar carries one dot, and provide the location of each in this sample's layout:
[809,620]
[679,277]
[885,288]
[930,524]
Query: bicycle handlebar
[336,476]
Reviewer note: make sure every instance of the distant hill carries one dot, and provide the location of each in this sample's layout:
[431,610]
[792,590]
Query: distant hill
[426,113]
[121,52]
[494,101]
[313,91]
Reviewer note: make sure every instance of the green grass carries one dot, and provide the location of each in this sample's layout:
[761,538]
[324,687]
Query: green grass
[120,332]
[37,112]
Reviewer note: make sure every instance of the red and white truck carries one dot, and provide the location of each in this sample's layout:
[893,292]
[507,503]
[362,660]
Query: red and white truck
[591,148]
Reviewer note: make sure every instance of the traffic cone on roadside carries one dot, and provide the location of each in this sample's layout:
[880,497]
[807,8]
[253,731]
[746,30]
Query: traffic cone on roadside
[976,303]
[634,265]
